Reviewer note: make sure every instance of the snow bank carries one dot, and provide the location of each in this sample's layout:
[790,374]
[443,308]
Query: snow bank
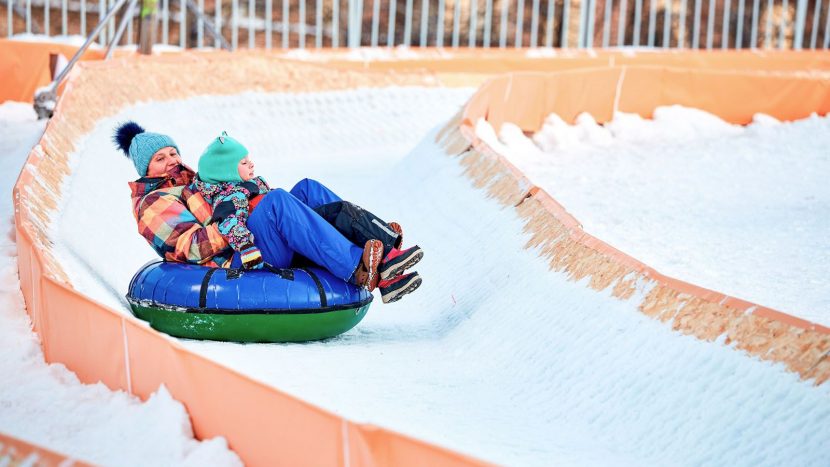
[45,403]
[740,210]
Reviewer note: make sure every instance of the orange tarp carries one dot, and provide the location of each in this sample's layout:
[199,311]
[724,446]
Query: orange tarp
[24,66]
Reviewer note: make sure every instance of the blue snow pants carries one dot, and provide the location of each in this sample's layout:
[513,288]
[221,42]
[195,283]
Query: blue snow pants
[284,223]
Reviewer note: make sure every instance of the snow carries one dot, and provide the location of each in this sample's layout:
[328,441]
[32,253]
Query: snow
[45,403]
[742,210]
[495,355]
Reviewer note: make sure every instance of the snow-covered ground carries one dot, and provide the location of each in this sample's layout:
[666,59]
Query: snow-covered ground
[494,355]
[46,404]
[741,210]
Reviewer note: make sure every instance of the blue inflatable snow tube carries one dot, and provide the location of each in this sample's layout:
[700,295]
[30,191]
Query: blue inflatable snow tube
[273,305]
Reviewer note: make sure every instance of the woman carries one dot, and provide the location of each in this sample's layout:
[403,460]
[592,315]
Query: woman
[178,223]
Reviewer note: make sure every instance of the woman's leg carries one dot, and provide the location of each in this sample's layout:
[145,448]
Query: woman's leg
[282,225]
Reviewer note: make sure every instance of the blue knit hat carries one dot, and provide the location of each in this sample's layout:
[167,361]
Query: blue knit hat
[139,145]
[220,160]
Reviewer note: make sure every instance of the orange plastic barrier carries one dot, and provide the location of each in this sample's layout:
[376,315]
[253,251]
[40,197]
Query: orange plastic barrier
[525,99]
[24,66]
[263,425]
[15,451]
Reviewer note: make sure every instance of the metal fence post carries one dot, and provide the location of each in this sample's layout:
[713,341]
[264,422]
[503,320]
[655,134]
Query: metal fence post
[800,17]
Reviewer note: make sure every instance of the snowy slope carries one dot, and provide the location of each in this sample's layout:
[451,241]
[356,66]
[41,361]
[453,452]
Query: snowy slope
[741,210]
[46,404]
[495,355]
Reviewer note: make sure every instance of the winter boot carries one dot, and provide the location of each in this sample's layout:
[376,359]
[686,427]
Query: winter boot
[398,230]
[394,289]
[366,274]
[397,261]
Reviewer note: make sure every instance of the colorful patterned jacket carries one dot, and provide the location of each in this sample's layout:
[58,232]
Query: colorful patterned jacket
[230,203]
[174,220]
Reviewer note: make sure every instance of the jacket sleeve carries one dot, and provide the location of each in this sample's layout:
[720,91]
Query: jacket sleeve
[174,232]
[231,215]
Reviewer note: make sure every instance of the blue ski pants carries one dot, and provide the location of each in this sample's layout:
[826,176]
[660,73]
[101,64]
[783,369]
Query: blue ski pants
[284,223]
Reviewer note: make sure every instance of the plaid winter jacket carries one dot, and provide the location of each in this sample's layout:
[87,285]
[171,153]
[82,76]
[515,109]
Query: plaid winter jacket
[173,219]
[230,204]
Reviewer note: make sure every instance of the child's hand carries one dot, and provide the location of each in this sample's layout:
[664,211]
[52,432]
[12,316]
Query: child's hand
[251,258]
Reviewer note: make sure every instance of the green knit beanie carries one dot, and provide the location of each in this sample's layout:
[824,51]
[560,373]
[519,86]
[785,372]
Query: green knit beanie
[220,160]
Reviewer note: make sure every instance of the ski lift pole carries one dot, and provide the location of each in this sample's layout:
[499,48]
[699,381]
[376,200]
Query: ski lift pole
[128,16]
[45,98]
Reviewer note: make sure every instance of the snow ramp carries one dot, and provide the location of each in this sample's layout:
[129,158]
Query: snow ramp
[578,364]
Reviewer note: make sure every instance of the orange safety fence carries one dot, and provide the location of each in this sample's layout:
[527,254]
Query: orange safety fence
[24,66]
[525,99]
[262,424]
[14,451]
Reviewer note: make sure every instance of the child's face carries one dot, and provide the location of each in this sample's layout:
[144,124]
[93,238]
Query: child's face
[246,169]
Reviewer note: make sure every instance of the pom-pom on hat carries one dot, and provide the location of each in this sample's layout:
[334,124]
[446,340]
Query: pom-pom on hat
[140,145]
[220,160]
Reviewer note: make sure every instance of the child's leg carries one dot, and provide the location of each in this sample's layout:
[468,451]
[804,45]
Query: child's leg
[282,225]
[313,193]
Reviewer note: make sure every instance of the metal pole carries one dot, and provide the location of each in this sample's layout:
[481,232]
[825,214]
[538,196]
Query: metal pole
[638,17]
[335,23]
[10,24]
[800,19]
[182,24]
[621,23]
[667,26]
[520,18]
[724,40]
[739,32]
[200,26]
[754,33]
[827,29]
[217,20]
[302,23]
[407,26]
[375,22]
[710,25]
[652,19]
[534,24]
[98,28]
[165,22]
[816,14]
[64,17]
[681,25]
[128,16]
[696,28]
[589,35]
[83,18]
[566,9]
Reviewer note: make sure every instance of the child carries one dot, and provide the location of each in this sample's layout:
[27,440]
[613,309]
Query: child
[311,221]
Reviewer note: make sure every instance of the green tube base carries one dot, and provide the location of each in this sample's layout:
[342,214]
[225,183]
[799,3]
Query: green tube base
[253,327]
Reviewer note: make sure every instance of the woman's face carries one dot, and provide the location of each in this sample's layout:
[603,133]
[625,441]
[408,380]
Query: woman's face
[246,169]
[163,161]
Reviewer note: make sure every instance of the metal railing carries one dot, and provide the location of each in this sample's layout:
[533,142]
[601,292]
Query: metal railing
[697,24]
